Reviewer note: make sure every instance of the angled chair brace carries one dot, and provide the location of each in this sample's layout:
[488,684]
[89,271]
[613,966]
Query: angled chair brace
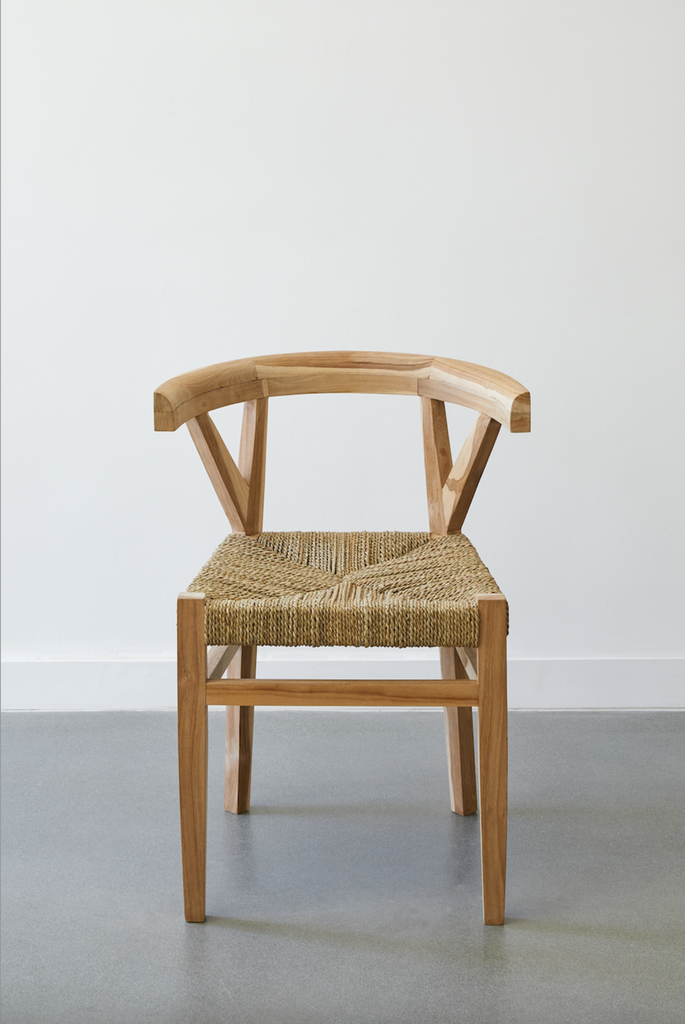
[470,677]
[451,488]
[240,489]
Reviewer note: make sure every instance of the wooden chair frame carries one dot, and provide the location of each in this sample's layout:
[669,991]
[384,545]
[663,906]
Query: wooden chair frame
[470,678]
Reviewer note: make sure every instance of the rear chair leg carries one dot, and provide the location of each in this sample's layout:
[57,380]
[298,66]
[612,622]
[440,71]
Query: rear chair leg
[459,735]
[492,749]
[192,750]
[239,729]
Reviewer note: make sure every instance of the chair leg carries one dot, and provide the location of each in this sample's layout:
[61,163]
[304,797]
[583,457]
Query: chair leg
[492,749]
[461,761]
[239,730]
[192,751]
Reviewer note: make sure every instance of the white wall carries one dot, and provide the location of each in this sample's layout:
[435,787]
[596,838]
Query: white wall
[188,181]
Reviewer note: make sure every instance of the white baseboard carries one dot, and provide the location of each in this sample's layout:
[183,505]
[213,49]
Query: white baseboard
[533,684]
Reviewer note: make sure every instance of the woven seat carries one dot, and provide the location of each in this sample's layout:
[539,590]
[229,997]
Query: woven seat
[343,590]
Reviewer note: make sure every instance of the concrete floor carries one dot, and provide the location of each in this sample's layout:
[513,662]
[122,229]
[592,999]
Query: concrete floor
[350,893]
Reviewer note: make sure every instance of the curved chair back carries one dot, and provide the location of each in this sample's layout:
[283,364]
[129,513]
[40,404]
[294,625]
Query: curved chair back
[189,398]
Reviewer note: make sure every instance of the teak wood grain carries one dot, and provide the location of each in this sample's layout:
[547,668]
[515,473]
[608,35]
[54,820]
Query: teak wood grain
[464,477]
[343,693]
[461,762]
[239,732]
[492,752]
[252,461]
[218,660]
[469,659]
[240,719]
[192,750]
[437,459]
[450,488]
[226,478]
[452,380]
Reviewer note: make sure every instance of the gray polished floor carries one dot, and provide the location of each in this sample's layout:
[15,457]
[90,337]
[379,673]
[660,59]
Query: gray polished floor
[350,893]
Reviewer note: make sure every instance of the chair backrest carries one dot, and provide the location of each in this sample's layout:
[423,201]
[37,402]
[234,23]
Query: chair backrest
[450,486]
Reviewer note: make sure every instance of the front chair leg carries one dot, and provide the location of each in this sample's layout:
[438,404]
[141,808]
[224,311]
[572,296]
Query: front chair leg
[492,749]
[192,750]
[461,761]
[239,729]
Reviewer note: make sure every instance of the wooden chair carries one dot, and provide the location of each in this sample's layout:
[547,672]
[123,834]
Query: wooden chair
[360,589]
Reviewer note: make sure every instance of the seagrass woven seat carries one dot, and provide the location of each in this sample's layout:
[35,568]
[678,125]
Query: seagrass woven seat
[359,589]
[343,590]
